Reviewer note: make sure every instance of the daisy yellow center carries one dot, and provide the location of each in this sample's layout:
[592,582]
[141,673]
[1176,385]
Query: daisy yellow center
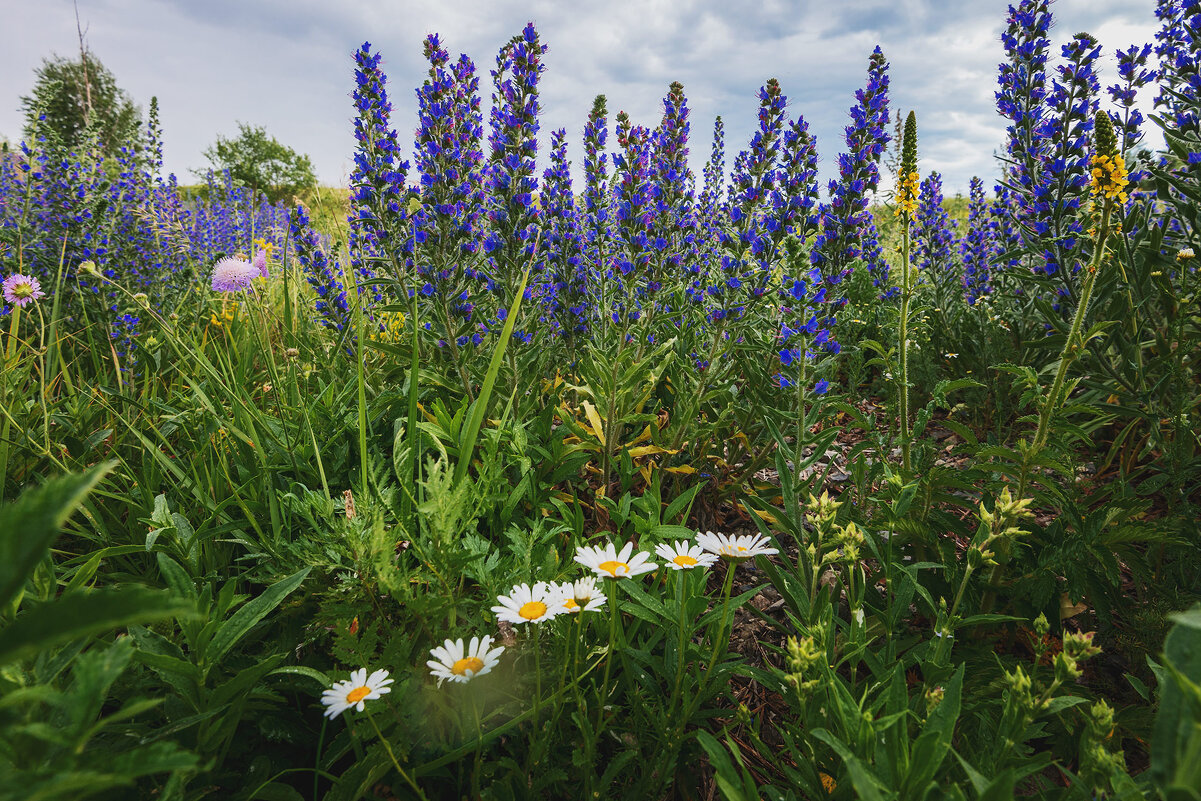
[741,549]
[358,694]
[465,664]
[684,560]
[571,605]
[614,568]
[532,610]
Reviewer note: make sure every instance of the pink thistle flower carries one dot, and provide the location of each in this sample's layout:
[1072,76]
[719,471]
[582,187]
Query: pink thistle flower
[260,263]
[21,289]
[233,275]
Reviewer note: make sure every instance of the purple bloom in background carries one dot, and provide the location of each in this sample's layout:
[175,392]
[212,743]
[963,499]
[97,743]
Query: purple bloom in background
[260,263]
[22,289]
[233,275]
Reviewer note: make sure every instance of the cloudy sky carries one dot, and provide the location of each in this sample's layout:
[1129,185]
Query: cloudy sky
[286,64]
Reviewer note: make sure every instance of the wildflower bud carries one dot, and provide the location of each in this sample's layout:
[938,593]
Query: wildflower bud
[1020,687]
[1185,254]
[1079,645]
[142,300]
[291,353]
[802,654]
[934,697]
[1066,668]
[909,182]
[974,558]
[1041,626]
[1100,720]
[1010,508]
[1104,138]
[89,268]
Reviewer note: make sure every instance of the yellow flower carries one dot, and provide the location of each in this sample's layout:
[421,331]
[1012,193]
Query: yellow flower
[1109,178]
[907,193]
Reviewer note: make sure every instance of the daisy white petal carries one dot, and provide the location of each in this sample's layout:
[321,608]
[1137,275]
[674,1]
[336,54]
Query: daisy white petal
[735,548]
[526,604]
[606,562]
[460,664]
[682,555]
[355,692]
[581,596]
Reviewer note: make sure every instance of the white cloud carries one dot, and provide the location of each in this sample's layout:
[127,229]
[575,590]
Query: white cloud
[287,64]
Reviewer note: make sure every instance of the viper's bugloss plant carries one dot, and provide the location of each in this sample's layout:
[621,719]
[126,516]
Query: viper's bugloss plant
[977,249]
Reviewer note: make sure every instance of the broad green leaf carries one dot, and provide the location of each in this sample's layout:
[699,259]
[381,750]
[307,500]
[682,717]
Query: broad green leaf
[30,525]
[80,614]
[252,612]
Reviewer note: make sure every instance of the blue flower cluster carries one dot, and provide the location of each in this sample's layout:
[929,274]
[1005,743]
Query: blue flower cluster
[933,232]
[977,249]
[60,208]
[843,218]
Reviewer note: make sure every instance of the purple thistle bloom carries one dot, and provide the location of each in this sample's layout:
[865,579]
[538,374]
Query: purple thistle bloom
[233,275]
[22,289]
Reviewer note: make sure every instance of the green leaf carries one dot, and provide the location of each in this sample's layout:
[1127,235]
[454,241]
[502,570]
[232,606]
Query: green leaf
[29,526]
[480,407]
[80,614]
[251,613]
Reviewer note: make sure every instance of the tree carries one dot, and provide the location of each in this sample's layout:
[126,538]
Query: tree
[262,163]
[75,93]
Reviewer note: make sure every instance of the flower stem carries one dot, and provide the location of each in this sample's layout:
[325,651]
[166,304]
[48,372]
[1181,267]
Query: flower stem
[395,763]
[9,355]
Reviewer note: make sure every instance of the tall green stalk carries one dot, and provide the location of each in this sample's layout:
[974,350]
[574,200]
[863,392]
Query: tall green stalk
[906,204]
[10,352]
[1106,189]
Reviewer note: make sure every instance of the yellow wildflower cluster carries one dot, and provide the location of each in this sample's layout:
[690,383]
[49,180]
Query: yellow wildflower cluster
[263,244]
[907,194]
[391,327]
[1109,178]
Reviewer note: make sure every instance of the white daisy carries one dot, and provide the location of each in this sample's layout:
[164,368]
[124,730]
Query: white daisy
[608,563]
[452,661]
[684,556]
[525,604]
[355,691]
[581,596]
[735,548]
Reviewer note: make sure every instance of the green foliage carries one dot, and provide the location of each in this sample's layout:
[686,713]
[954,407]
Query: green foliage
[1176,749]
[77,96]
[262,163]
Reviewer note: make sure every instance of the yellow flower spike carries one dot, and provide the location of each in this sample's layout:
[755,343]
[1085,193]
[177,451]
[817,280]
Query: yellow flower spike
[907,194]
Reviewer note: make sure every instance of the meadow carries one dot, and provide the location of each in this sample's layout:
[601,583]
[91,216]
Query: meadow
[477,481]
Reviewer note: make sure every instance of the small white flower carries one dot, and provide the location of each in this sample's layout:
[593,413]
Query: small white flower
[606,562]
[580,596]
[356,691]
[683,555]
[736,548]
[452,661]
[526,604]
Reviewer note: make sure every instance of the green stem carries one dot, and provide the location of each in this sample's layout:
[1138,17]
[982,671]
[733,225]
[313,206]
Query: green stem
[903,344]
[387,747]
[1069,354]
[9,364]
[611,594]
[718,641]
